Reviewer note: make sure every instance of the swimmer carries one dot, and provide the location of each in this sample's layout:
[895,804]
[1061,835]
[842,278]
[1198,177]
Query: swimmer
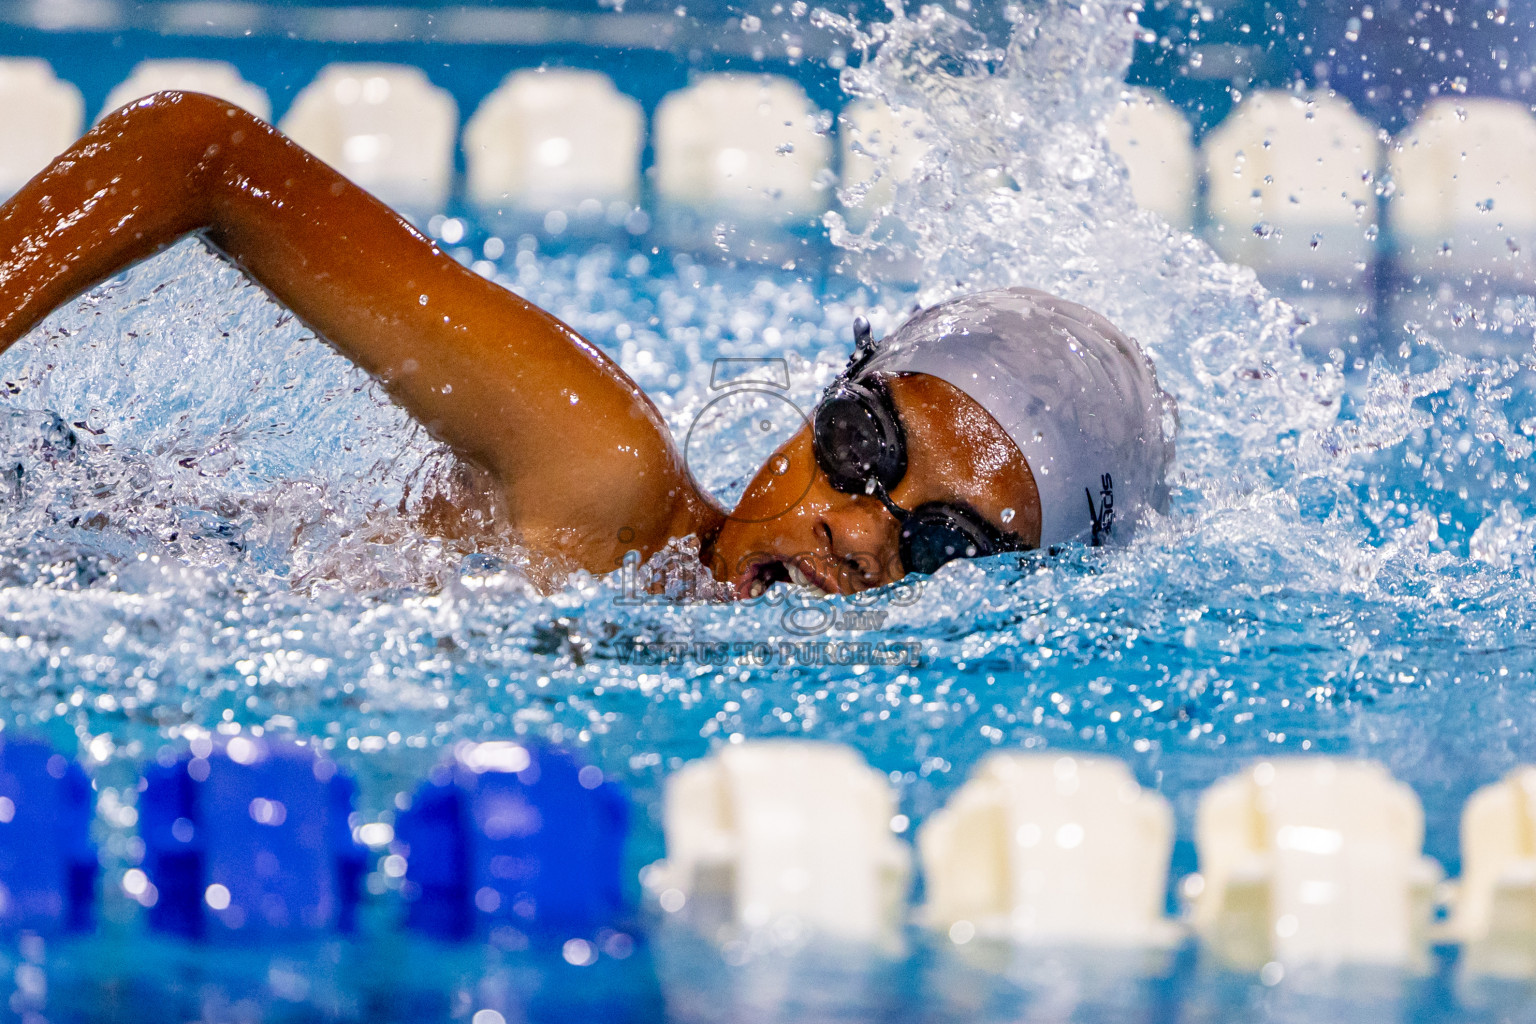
[1002,421]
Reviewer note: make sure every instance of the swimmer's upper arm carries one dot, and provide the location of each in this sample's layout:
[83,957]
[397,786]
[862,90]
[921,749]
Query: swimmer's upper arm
[574,444]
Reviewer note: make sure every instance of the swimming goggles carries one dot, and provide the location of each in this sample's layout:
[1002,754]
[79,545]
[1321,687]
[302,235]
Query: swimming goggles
[861,447]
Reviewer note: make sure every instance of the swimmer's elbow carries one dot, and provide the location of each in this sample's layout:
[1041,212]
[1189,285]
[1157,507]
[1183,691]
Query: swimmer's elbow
[200,150]
[189,136]
[186,110]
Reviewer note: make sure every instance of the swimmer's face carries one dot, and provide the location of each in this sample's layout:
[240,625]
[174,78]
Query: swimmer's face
[846,543]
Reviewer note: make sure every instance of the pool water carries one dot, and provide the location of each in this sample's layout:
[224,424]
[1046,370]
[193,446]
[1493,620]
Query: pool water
[209,521]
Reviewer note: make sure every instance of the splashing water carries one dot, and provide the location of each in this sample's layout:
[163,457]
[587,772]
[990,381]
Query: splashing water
[206,517]
[1017,187]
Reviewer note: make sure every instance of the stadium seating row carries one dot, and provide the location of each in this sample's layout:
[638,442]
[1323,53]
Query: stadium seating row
[1302,860]
[1291,184]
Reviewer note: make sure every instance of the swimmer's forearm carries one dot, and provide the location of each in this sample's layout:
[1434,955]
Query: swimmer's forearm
[347,265]
[500,380]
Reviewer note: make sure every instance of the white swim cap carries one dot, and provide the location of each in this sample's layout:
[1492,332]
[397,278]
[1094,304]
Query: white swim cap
[1078,397]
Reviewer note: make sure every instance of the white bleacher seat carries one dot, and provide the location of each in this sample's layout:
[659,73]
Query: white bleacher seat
[780,830]
[1051,848]
[1153,140]
[881,147]
[214,77]
[1464,190]
[1314,861]
[41,117]
[746,146]
[1495,908]
[1291,186]
[547,140]
[385,126]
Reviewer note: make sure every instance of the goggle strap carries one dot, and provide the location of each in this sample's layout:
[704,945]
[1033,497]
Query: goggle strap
[901,514]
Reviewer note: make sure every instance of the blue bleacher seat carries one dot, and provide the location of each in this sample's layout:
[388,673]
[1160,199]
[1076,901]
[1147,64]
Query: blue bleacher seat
[48,865]
[518,835]
[253,839]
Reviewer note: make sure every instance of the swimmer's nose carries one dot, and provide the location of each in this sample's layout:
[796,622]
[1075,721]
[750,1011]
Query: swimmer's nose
[861,541]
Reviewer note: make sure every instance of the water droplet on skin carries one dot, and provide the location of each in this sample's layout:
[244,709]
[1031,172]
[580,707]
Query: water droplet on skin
[1007,516]
[575,399]
[780,465]
[423,299]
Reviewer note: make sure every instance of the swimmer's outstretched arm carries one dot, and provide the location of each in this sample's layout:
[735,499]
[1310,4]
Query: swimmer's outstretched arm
[582,463]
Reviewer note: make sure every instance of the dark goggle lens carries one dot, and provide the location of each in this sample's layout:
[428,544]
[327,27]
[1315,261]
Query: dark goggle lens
[853,444]
[933,536]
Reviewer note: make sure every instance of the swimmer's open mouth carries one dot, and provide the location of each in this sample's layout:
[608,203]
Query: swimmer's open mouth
[765,573]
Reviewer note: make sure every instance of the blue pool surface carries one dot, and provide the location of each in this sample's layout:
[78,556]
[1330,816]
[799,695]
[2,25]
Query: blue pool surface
[205,524]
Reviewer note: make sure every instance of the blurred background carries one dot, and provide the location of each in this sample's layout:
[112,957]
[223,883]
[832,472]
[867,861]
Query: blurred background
[1372,161]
